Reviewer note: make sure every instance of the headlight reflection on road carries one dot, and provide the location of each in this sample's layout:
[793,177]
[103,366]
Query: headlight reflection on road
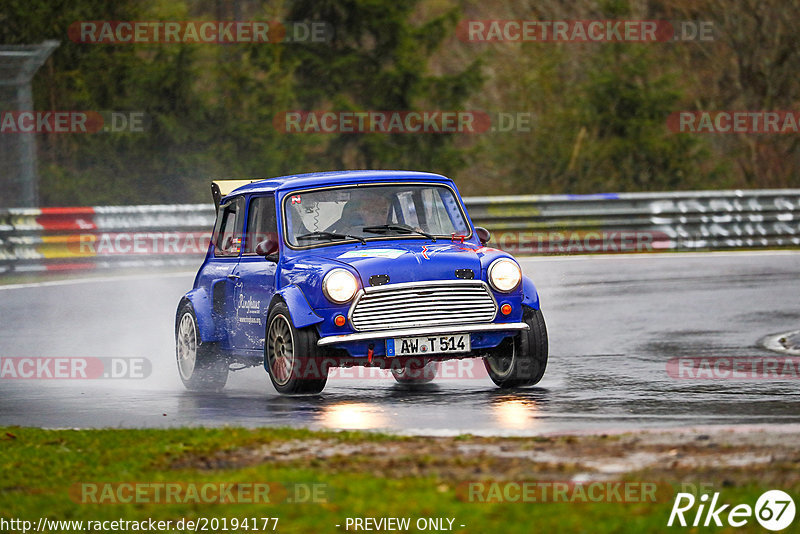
[515,413]
[352,416]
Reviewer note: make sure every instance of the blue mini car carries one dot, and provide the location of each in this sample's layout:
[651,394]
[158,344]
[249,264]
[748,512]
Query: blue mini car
[374,268]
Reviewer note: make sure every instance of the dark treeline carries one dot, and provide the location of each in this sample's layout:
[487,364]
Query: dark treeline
[598,110]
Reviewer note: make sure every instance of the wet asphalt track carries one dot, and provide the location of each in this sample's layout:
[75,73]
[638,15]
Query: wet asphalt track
[613,322]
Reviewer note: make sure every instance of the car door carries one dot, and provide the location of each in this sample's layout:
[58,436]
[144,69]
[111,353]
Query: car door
[227,239]
[255,276]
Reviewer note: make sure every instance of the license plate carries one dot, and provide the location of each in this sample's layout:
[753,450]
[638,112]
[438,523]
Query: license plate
[413,346]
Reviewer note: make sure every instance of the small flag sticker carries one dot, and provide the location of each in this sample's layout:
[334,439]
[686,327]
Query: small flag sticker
[296,199]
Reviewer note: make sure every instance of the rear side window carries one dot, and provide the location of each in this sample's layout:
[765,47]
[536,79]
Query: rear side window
[228,230]
[262,222]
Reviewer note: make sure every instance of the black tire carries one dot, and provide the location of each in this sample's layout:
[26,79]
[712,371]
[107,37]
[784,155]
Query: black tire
[294,362]
[520,361]
[414,372]
[200,365]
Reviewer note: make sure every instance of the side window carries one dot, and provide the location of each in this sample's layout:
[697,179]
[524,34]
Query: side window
[228,231]
[262,223]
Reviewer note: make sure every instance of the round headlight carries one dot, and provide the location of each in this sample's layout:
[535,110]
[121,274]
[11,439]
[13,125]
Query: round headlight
[504,274]
[339,286]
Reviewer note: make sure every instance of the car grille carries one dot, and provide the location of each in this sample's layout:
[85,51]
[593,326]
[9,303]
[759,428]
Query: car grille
[423,304]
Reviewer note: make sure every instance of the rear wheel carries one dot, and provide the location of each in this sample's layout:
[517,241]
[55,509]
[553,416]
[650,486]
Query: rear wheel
[292,358]
[415,372]
[520,361]
[200,365]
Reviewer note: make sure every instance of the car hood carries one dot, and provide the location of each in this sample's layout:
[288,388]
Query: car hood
[412,262]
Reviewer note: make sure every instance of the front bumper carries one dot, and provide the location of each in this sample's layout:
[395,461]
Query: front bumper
[428,330]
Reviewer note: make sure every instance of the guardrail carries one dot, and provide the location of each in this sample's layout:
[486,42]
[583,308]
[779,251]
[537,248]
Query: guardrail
[59,239]
[694,220]
[138,236]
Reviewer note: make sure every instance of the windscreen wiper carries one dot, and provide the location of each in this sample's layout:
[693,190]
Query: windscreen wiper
[396,227]
[331,235]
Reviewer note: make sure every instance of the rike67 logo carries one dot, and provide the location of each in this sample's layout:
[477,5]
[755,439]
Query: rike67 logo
[774,510]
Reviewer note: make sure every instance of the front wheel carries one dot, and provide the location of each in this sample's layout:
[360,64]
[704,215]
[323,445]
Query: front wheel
[520,361]
[292,357]
[199,364]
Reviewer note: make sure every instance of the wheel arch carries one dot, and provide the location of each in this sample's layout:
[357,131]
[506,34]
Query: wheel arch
[300,312]
[201,304]
[530,297]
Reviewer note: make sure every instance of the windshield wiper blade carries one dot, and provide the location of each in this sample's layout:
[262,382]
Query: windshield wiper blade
[331,235]
[383,228]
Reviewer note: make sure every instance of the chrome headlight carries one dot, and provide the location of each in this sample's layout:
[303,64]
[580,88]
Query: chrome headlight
[339,286]
[504,275]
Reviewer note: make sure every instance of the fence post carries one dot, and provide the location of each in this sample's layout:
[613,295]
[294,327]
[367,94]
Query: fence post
[18,64]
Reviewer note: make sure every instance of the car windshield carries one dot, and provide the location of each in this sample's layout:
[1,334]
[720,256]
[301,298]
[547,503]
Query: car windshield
[369,212]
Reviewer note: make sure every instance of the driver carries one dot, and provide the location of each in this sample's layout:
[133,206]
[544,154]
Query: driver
[367,207]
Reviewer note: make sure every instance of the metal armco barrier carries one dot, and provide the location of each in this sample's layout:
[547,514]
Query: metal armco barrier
[634,222]
[50,239]
[59,239]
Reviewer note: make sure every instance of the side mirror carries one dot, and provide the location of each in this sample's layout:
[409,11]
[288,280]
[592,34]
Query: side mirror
[483,234]
[267,247]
